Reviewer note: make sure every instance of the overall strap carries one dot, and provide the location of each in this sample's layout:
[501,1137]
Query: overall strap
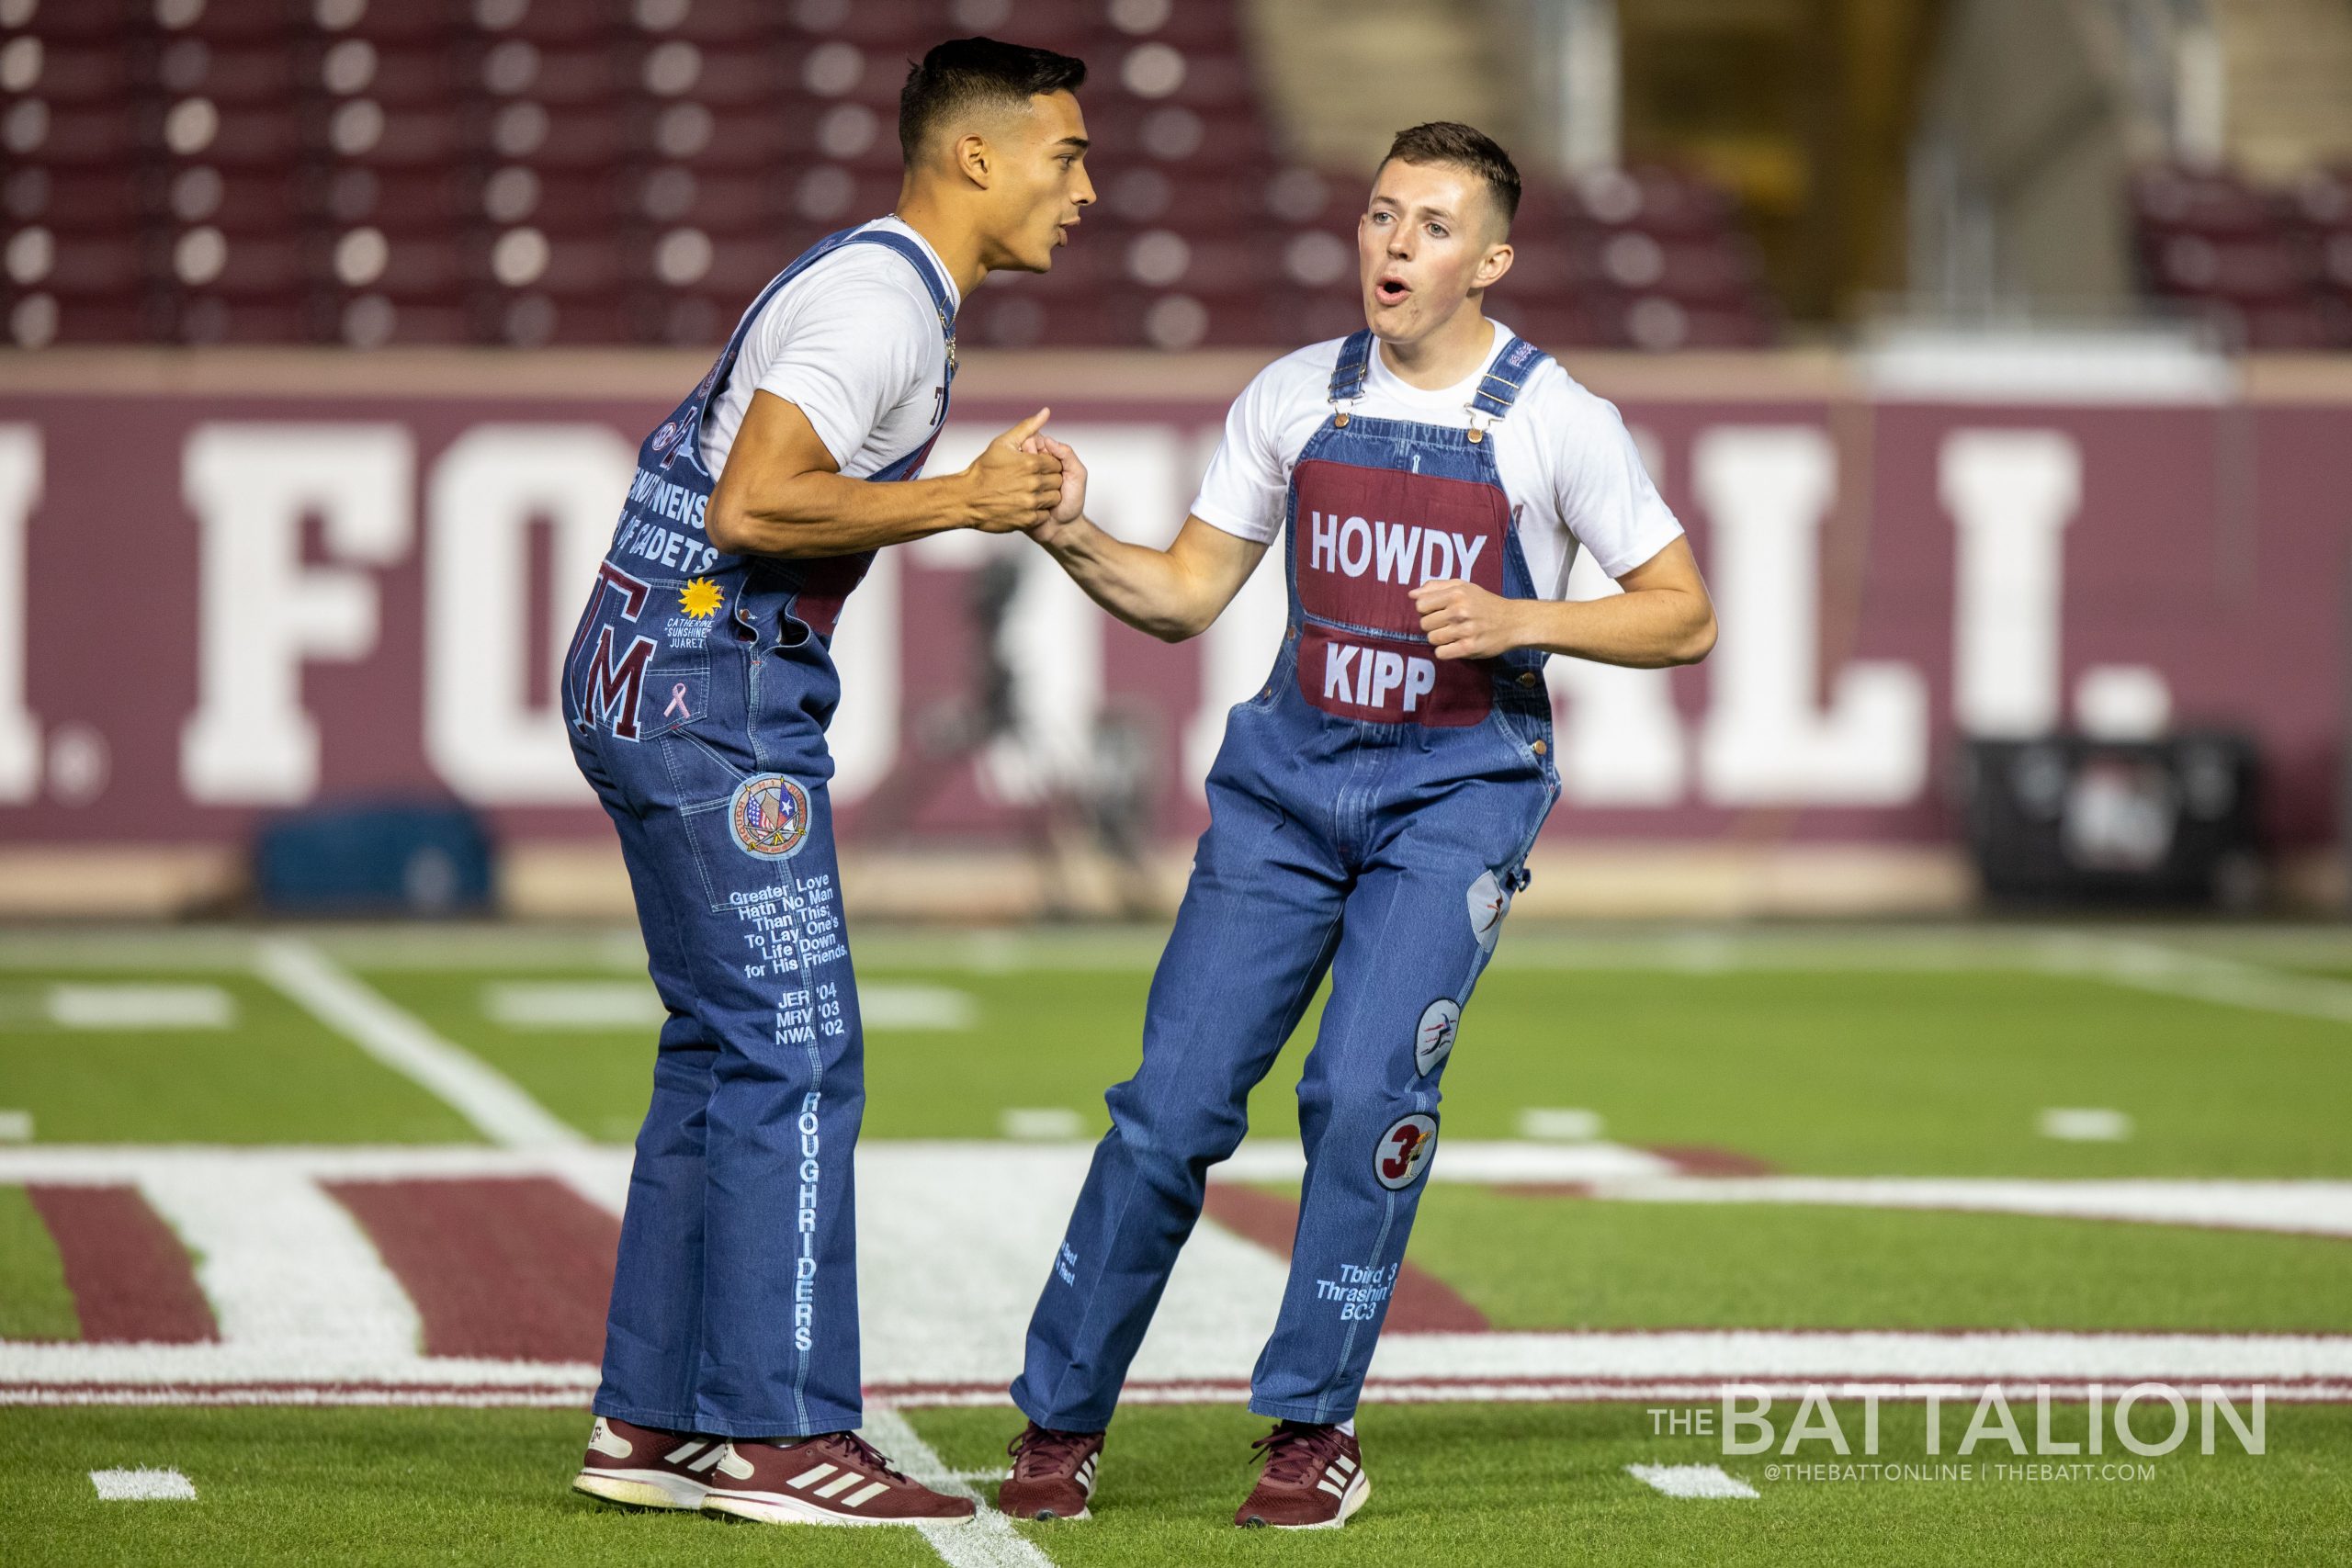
[933,284]
[1498,387]
[1356,362]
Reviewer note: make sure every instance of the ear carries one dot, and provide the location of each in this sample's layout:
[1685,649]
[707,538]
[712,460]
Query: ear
[972,158]
[1490,271]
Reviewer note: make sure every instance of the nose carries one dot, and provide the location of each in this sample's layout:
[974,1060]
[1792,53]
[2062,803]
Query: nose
[1084,195]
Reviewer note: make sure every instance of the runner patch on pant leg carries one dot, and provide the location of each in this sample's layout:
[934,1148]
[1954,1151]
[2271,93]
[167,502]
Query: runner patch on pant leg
[770,816]
[1434,1036]
[1404,1150]
[1490,901]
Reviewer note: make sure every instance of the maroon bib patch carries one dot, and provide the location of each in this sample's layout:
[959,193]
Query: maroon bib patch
[1367,538]
[1390,681]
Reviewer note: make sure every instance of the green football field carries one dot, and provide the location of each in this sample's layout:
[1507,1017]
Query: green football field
[2051,1149]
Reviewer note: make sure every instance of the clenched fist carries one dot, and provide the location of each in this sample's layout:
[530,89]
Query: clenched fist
[1011,484]
[1463,620]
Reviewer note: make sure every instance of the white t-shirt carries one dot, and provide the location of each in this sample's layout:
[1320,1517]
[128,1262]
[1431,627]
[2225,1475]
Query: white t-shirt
[1570,469]
[854,343]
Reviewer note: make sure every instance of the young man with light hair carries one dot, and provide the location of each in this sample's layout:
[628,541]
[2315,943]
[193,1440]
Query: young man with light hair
[1372,809]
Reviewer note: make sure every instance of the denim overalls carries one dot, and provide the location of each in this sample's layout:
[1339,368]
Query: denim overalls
[697,689]
[1371,812]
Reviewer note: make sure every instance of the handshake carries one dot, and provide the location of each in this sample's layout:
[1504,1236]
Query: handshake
[1024,482]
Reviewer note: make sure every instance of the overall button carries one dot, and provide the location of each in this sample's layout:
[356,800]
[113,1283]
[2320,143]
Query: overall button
[1539,747]
[1527,677]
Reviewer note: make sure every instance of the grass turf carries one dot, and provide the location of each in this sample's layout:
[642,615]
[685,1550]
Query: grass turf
[1551,1263]
[34,1301]
[276,1076]
[1816,1070]
[1862,1073]
[1499,1486]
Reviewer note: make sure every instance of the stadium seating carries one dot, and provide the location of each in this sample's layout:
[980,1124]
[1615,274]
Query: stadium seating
[2272,270]
[529,171]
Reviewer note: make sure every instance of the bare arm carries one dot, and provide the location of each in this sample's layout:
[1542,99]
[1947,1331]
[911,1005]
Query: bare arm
[781,492]
[1664,617]
[1172,593]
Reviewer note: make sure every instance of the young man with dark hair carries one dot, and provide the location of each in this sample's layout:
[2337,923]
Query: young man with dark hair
[697,689]
[1372,809]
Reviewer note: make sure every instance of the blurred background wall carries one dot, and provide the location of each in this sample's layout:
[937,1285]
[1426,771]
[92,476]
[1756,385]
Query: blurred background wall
[1995,353]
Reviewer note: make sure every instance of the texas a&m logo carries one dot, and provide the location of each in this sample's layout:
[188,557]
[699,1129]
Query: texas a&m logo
[610,684]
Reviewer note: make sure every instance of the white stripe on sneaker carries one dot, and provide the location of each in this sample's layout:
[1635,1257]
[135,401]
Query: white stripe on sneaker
[707,1460]
[1331,1486]
[680,1454]
[864,1494]
[1346,1463]
[842,1482]
[810,1477]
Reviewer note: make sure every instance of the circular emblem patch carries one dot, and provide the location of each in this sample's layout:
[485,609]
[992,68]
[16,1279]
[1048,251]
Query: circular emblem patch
[770,816]
[1434,1037]
[1404,1150]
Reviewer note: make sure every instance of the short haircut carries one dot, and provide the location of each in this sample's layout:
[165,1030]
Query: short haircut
[964,73]
[1461,147]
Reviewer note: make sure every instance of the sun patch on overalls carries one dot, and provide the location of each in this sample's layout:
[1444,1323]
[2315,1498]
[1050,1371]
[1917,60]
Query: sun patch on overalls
[1404,1150]
[770,816]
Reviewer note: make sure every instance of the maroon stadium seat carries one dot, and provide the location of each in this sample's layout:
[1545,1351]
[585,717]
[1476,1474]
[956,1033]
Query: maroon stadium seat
[369,166]
[74,74]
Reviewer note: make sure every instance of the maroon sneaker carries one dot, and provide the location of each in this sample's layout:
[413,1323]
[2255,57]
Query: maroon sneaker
[645,1468]
[836,1479]
[1314,1479]
[1052,1475]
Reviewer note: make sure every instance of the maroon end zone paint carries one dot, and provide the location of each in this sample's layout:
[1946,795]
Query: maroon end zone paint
[1707,1159]
[133,1281]
[505,1268]
[1421,1303]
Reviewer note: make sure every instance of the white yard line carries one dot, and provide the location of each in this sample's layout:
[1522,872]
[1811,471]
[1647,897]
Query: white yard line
[2311,1208]
[140,1008]
[305,1306]
[302,1363]
[572,1004]
[285,1266]
[494,1104]
[558,1395]
[1741,1355]
[2177,972]
[985,1540]
[142,1485]
[1690,1480]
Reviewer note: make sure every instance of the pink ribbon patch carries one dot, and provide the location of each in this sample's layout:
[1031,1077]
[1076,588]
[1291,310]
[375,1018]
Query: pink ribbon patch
[678,703]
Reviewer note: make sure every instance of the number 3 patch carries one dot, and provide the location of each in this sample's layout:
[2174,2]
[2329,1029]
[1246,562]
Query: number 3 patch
[1404,1150]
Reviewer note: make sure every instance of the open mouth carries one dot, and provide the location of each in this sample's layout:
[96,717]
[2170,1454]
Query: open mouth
[1390,291]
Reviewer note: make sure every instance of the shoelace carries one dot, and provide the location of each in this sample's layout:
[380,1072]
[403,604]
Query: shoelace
[1040,1450]
[1297,1453]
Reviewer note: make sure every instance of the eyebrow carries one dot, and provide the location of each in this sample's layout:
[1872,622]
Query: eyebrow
[1445,212]
[1080,142]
